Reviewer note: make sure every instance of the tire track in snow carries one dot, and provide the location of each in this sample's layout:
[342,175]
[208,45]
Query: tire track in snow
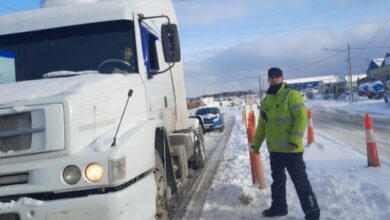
[190,207]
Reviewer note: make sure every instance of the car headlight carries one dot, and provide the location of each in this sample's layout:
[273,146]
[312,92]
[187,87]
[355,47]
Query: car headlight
[71,174]
[216,119]
[94,172]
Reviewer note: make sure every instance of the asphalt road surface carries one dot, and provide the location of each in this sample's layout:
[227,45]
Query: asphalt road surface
[350,131]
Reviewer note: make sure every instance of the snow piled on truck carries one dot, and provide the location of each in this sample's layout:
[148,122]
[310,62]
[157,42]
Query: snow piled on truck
[21,202]
[345,187]
[51,87]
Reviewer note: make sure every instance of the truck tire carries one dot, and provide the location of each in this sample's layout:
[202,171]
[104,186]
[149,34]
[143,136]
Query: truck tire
[222,128]
[161,191]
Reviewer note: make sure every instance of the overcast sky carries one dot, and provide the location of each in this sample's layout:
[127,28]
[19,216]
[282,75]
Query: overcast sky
[226,44]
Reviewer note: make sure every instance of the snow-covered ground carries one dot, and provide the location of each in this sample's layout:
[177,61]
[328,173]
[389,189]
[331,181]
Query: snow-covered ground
[377,108]
[345,187]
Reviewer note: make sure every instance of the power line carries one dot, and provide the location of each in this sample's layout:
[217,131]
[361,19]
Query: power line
[386,39]
[331,56]
[288,70]
[8,7]
[224,82]
[281,31]
[284,23]
[315,62]
[370,48]
[379,28]
[292,69]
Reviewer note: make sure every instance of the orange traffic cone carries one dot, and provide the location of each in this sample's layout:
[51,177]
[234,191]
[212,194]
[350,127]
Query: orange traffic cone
[310,129]
[251,132]
[257,169]
[372,152]
[252,118]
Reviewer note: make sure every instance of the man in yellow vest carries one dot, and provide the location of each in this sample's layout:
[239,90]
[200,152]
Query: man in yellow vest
[282,124]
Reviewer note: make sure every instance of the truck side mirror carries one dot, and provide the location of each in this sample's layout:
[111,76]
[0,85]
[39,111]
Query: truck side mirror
[170,43]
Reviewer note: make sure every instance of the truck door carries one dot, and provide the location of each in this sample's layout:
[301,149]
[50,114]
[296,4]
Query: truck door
[161,87]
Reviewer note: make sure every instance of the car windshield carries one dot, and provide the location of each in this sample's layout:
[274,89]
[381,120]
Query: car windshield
[205,111]
[29,55]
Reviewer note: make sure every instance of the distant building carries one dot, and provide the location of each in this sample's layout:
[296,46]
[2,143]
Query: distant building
[301,84]
[207,101]
[379,69]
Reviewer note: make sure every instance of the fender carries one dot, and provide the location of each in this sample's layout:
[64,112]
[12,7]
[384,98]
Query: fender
[136,144]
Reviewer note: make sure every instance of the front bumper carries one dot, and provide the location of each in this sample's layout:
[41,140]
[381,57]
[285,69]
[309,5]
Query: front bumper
[136,201]
[212,127]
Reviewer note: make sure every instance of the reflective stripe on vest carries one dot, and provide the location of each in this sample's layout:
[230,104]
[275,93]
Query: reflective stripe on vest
[283,120]
[297,134]
[287,91]
[282,144]
[297,107]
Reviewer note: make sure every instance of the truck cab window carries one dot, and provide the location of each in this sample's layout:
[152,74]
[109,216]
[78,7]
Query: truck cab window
[74,48]
[149,49]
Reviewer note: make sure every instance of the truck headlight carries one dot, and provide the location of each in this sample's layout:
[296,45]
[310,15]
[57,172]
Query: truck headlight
[94,172]
[117,169]
[71,174]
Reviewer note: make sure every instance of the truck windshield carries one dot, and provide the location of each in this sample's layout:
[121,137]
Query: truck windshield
[29,55]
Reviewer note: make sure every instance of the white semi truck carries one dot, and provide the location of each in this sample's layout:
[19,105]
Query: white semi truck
[93,116]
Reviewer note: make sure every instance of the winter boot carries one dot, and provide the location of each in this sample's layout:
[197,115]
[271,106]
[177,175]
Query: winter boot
[313,215]
[272,212]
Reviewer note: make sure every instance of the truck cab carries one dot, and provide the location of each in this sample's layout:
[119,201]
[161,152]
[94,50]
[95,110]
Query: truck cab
[93,117]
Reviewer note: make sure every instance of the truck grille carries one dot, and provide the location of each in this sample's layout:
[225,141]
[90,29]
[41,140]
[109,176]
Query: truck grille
[10,216]
[16,132]
[13,179]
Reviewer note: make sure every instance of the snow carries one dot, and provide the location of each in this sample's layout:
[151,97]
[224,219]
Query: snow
[378,61]
[68,15]
[21,202]
[377,108]
[345,187]
[34,89]
[51,3]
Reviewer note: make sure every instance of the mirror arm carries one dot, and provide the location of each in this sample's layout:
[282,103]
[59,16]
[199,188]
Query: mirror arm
[153,72]
[141,17]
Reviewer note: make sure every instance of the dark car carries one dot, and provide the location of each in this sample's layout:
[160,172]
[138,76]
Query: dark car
[212,118]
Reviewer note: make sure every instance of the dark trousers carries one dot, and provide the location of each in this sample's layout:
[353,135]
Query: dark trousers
[296,167]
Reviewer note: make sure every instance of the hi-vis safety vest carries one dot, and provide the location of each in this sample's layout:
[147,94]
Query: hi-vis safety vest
[282,121]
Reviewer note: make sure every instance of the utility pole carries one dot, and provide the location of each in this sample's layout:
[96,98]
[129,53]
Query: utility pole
[350,76]
[349,70]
